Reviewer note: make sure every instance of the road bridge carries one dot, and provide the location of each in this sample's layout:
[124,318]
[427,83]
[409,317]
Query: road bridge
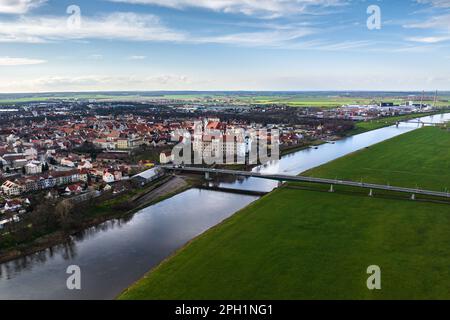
[423,123]
[331,182]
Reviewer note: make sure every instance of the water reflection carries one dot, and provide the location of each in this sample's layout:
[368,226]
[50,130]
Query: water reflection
[118,252]
[67,250]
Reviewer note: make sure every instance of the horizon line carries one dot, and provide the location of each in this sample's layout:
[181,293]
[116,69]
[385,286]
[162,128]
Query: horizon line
[225,91]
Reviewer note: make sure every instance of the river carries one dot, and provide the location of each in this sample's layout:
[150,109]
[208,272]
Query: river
[117,253]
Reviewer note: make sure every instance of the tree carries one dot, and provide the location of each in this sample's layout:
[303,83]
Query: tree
[43,217]
[64,210]
[45,167]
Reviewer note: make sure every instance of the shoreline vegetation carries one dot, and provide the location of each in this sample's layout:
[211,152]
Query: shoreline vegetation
[111,209]
[346,231]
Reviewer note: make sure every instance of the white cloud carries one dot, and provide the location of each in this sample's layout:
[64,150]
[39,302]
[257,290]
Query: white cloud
[137,57]
[9,61]
[115,26]
[438,24]
[436,3]
[96,56]
[19,6]
[429,40]
[268,38]
[266,8]
[97,83]
[136,27]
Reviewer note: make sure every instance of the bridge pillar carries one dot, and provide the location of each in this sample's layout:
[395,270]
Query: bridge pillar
[207,176]
[371,193]
[332,188]
[413,197]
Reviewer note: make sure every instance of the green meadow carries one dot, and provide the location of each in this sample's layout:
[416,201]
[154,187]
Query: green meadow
[364,126]
[316,100]
[419,159]
[312,244]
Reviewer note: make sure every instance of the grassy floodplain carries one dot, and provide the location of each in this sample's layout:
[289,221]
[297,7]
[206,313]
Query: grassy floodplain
[311,244]
[420,158]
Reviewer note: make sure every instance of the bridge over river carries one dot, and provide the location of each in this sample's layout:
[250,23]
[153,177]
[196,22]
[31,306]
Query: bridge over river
[423,123]
[291,178]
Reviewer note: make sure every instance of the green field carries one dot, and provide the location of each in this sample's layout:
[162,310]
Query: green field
[311,244]
[295,101]
[325,101]
[319,100]
[418,159]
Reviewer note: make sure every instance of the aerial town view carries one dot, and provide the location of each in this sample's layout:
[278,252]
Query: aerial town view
[216,151]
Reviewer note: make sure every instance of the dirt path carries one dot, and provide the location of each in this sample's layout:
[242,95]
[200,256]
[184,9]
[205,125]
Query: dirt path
[172,186]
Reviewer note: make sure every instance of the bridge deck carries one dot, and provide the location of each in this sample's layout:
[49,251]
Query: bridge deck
[279,177]
[424,123]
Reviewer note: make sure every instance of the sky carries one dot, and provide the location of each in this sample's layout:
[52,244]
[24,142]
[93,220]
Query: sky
[255,45]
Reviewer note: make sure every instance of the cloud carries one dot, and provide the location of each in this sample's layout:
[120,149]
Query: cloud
[137,57]
[8,61]
[136,27]
[430,40]
[265,8]
[19,6]
[97,82]
[438,24]
[436,3]
[269,38]
[114,26]
[96,56]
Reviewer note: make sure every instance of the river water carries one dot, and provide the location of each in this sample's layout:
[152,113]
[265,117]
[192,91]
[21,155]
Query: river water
[117,253]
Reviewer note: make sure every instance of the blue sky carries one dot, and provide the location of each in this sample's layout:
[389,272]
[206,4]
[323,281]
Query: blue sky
[223,45]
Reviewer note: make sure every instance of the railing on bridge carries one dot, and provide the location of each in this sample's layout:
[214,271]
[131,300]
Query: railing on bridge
[331,182]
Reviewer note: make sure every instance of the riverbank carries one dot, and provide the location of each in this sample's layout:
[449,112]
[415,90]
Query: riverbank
[108,210]
[292,149]
[303,244]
